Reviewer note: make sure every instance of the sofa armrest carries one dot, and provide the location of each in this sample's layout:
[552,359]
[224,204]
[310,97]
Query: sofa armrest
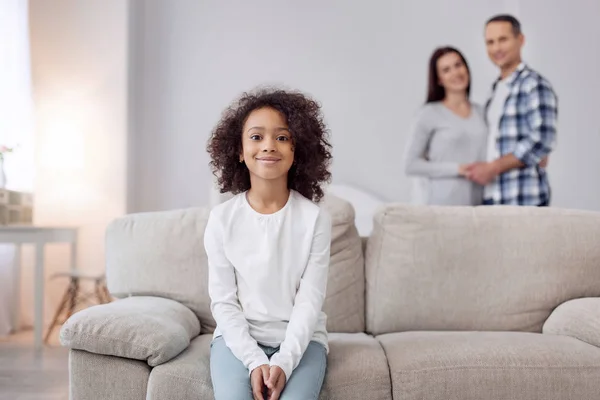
[152,329]
[578,318]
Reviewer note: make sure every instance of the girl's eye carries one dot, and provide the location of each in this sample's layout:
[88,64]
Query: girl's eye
[255,137]
[283,138]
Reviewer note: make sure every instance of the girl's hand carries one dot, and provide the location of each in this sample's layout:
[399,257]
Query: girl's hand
[258,381]
[275,383]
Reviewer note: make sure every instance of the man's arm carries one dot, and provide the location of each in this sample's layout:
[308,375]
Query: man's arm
[542,113]
[509,161]
[534,148]
[506,163]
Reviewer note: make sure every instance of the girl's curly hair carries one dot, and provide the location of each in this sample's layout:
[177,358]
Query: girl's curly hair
[312,154]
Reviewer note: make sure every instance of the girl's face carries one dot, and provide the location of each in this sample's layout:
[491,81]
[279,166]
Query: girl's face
[267,147]
[452,73]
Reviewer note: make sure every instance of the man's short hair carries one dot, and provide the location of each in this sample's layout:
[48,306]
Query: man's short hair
[516,25]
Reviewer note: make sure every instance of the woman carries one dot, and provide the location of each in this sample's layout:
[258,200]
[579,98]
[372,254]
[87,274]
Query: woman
[448,134]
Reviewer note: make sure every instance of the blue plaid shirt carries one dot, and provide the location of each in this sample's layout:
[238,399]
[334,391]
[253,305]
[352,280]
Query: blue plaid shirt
[527,129]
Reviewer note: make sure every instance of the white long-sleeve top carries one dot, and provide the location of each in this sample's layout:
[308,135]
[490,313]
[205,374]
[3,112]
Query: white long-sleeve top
[268,277]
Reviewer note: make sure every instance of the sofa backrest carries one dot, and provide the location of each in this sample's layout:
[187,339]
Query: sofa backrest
[483,268]
[345,300]
[162,254]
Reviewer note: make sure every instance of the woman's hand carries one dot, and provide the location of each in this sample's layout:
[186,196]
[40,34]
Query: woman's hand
[258,380]
[462,169]
[275,383]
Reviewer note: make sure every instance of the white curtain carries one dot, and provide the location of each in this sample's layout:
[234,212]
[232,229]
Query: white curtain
[16,126]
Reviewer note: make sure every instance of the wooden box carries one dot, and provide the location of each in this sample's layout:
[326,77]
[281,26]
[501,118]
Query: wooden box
[16,208]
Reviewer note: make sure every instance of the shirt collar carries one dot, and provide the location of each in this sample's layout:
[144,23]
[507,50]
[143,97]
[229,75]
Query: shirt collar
[512,77]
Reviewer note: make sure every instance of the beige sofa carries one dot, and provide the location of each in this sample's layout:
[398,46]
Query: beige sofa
[445,303]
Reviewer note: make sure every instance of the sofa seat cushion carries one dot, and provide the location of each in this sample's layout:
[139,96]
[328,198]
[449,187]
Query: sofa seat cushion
[357,369]
[491,365]
[187,376]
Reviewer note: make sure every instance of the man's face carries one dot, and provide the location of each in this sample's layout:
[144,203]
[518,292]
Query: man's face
[503,46]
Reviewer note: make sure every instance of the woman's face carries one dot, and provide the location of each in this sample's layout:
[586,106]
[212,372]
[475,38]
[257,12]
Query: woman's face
[452,73]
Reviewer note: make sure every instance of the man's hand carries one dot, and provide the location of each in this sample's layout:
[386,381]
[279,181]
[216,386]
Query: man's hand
[482,172]
[258,379]
[275,383]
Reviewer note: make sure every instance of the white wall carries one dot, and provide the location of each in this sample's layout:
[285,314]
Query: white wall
[79,62]
[366,64]
[365,61]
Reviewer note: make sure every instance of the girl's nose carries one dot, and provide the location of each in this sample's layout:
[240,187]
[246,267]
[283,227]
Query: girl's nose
[269,145]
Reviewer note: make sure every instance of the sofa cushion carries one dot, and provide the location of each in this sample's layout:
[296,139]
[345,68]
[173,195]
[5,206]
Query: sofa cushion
[187,376]
[357,369]
[490,365]
[162,254]
[345,299]
[141,328]
[477,268]
[578,318]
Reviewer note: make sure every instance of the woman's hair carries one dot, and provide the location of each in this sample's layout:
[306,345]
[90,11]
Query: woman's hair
[435,91]
[312,154]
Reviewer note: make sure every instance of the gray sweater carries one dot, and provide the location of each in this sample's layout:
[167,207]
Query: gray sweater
[439,142]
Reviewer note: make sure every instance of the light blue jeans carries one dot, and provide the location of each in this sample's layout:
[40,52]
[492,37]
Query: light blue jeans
[231,380]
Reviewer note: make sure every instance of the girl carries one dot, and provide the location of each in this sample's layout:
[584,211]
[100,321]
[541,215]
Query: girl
[448,134]
[268,248]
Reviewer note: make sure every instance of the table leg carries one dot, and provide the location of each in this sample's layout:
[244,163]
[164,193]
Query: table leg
[73,256]
[39,295]
[16,316]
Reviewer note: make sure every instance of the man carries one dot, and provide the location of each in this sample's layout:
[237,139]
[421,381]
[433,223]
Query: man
[521,115]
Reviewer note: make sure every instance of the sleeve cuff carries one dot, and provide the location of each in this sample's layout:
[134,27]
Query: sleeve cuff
[456,169]
[263,360]
[285,365]
[526,156]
